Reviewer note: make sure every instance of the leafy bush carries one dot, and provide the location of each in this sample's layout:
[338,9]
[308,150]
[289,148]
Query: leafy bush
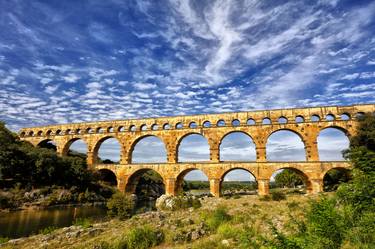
[264,198]
[228,230]
[83,222]
[217,217]
[3,240]
[278,196]
[143,238]
[47,230]
[120,205]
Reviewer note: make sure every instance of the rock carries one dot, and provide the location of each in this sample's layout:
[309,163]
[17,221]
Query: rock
[94,231]
[172,203]
[195,235]
[225,242]
[74,234]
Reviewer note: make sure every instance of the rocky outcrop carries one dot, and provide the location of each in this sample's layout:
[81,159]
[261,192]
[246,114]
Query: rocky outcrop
[171,203]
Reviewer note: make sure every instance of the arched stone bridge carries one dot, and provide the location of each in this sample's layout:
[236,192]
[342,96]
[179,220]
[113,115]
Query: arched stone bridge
[259,125]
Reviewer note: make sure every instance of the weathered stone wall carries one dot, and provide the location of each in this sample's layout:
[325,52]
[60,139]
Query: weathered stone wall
[171,130]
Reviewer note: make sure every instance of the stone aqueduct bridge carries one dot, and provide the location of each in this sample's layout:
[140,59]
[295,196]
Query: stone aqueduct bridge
[305,122]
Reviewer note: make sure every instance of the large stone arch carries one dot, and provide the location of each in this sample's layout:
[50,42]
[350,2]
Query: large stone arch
[138,139]
[306,178]
[345,173]
[44,142]
[233,132]
[184,136]
[133,179]
[225,172]
[99,142]
[67,145]
[296,132]
[344,134]
[108,176]
[182,173]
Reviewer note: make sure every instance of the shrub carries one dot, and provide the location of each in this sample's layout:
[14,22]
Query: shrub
[47,230]
[143,238]
[83,222]
[278,196]
[264,198]
[3,240]
[120,205]
[217,217]
[228,230]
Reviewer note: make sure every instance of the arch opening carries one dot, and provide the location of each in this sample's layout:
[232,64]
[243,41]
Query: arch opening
[235,122]
[290,181]
[179,125]
[283,120]
[284,146]
[345,116]
[193,182]
[266,121]
[108,177]
[331,144]
[147,185]
[48,144]
[250,121]
[238,181]
[193,125]
[300,119]
[76,147]
[334,177]
[108,151]
[149,149]
[237,146]
[193,148]
[220,123]
[206,124]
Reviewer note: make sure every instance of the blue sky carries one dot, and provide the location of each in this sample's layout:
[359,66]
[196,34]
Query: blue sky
[69,61]
[73,61]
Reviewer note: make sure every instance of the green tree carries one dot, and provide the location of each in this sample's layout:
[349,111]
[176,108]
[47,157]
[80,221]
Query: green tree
[288,178]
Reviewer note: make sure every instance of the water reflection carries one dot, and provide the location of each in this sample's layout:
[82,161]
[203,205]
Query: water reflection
[25,222]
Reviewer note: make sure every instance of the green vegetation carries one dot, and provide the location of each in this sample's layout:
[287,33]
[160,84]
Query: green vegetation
[32,174]
[47,230]
[120,205]
[83,222]
[216,218]
[3,240]
[288,178]
[345,220]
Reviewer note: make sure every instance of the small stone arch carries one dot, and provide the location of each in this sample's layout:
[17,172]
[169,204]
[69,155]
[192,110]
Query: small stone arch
[236,122]
[345,116]
[31,133]
[193,125]
[179,125]
[282,120]
[220,123]
[22,134]
[266,121]
[299,119]
[134,177]
[135,142]
[206,124]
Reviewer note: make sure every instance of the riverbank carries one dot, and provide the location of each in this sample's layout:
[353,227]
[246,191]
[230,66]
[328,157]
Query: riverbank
[250,215]
[22,199]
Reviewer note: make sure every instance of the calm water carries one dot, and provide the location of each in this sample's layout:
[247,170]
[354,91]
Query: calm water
[26,222]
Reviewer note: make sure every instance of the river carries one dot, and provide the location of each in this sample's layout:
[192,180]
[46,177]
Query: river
[23,223]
